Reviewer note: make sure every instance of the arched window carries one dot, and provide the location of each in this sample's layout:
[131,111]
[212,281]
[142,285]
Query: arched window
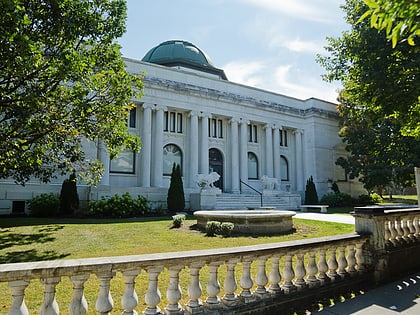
[171,154]
[252,166]
[284,168]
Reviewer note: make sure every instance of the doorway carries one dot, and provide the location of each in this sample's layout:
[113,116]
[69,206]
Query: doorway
[216,165]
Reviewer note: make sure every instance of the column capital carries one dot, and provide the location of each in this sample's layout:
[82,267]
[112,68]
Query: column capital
[160,108]
[269,126]
[148,105]
[298,131]
[204,115]
[234,120]
[244,121]
[193,113]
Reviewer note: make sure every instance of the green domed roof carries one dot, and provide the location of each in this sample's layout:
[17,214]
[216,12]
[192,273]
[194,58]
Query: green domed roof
[181,53]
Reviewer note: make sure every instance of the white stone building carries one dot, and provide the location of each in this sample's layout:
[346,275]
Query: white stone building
[193,115]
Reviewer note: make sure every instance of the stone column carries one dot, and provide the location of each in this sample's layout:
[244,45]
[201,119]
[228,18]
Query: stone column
[268,150]
[234,163]
[193,165]
[103,156]
[299,160]
[276,154]
[204,143]
[146,150]
[158,147]
[243,151]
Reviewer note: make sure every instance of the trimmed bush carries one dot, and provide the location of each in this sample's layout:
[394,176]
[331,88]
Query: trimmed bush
[44,205]
[176,198]
[337,200]
[119,206]
[311,196]
[178,220]
[212,228]
[226,229]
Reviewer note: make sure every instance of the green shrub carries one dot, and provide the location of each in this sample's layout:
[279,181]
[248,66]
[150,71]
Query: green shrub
[311,196]
[363,200]
[69,199]
[178,220]
[212,228]
[119,206]
[226,229]
[375,198]
[176,198]
[337,200]
[44,205]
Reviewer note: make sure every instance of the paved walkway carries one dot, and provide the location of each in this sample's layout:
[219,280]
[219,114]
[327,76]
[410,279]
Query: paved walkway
[401,297]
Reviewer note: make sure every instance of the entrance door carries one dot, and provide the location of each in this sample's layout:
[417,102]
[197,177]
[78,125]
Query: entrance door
[216,165]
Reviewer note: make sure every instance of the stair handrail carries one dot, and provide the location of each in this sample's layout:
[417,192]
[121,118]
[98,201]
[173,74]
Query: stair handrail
[257,191]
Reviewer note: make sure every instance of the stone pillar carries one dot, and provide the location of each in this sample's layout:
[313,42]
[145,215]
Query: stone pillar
[243,151]
[268,150]
[158,147]
[103,156]
[146,150]
[204,144]
[193,165]
[276,154]
[234,147]
[299,160]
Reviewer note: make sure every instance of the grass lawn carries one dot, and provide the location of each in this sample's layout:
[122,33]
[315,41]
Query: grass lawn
[33,239]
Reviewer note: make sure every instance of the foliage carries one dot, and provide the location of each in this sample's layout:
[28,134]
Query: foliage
[63,82]
[212,228]
[334,188]
[69,199]
[226,229]
[119,206]
[379,104]
[176,198]
[178,220]
[337,200]
[375,198]
[399,19]
[311,196]
[44,205]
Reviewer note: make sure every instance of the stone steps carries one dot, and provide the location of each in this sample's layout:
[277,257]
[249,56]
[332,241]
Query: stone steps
[246,201]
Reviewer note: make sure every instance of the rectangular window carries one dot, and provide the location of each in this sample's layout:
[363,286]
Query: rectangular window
[283,138]
[172,122]
[214,128]
[132,118]
[166,122]
[253,133]
[220,128]
[124,163]
[179,123]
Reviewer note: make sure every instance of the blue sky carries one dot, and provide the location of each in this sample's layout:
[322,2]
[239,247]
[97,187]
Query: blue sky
[269,44]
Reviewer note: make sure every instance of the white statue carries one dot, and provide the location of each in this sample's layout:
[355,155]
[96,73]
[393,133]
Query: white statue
[269,182]
[207,180]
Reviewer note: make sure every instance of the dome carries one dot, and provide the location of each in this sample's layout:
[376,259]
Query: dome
[181,53]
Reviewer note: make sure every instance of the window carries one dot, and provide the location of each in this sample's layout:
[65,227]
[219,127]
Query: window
[171,154]
[283,138]
[215,128]
[132,118]
[252,166]
[124,163]
[284,168]
[173,122]
[252,133]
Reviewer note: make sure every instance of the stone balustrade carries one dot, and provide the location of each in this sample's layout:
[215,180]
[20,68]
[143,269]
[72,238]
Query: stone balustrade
[265,272]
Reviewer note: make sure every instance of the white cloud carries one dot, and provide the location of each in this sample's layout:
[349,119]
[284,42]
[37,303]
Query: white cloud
[297,45]
[245,72]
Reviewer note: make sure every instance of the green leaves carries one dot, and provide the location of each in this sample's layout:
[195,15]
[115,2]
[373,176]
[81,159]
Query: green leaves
[62,81]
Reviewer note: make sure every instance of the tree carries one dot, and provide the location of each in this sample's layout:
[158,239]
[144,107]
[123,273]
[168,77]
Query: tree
[63,82]
[311,195]
[176,198]
[378,105]
[400,19]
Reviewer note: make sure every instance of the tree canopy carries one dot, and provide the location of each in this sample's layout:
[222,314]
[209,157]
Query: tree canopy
[63,82]
[378,105]
[400,19]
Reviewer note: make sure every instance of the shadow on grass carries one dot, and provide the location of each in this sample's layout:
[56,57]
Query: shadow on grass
[10,240]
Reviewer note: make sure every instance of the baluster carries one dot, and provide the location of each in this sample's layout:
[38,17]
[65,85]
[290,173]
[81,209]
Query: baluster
[393,231]
[153,296]
[174,293]
[412,229]
[194,304]
[288,275]
[78,304]
[129,299]
[49,305]
[18,306]
[406,230]
[213,287]
[342,262]
[312,270]
[246,282]
[274,276]
[230,299]
[323,267]
[416,227]
[261,279]
[332,265]
[399,230]
[387,233]
[300,272]
[351,261]
[360,258]
[104,303]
